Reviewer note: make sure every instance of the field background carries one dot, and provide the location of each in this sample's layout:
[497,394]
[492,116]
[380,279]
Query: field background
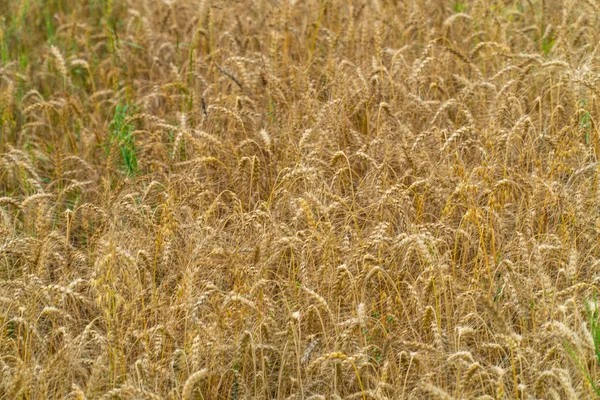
[310,199]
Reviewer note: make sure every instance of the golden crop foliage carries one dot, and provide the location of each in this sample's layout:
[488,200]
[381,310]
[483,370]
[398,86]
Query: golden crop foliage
[299,199]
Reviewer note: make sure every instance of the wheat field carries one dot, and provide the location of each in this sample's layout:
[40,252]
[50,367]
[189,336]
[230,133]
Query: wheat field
[299,199]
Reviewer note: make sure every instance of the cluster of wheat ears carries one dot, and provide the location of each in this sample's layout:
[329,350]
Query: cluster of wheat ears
[309,199]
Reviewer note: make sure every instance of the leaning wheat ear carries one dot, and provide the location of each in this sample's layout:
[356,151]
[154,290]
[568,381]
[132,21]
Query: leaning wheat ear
[434,392]
[188,387]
